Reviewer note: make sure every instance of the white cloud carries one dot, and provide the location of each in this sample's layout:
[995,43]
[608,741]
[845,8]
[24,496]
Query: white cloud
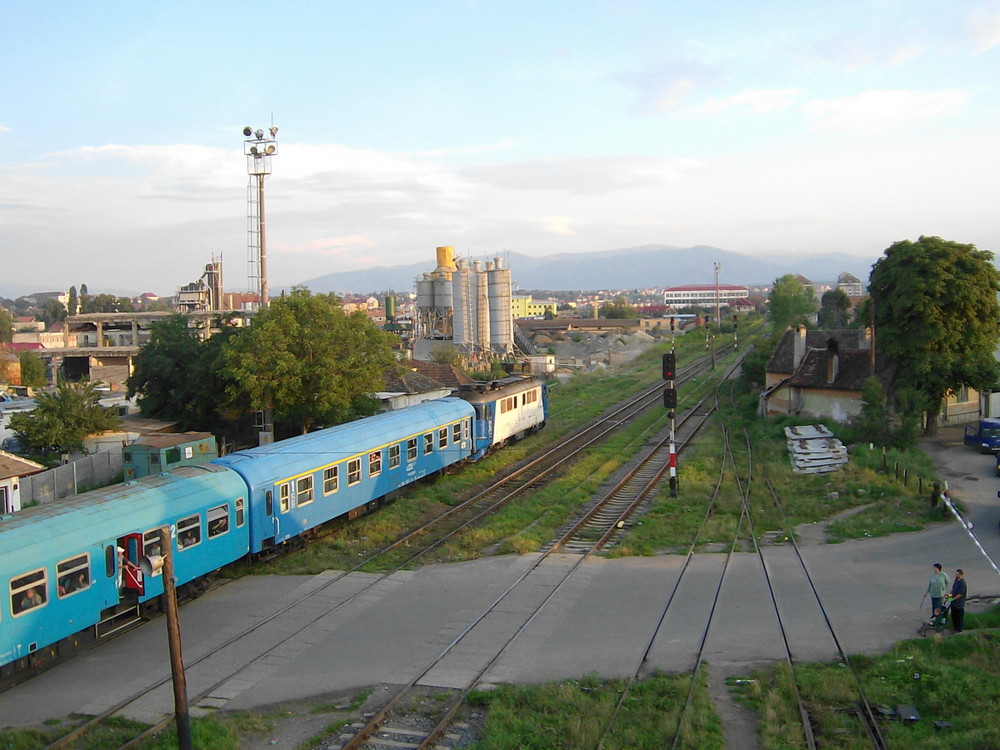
[667,86]
[983,26]
[882,110]
[760,101]
[558,225]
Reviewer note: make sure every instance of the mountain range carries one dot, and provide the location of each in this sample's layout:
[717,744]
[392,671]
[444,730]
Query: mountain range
[627,268]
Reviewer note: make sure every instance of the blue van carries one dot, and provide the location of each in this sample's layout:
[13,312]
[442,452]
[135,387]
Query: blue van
[985,435]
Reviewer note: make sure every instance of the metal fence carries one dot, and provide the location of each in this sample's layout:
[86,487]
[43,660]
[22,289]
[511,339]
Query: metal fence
[87,473]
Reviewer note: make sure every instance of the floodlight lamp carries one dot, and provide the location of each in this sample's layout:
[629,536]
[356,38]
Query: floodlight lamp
[258,134]
[274,131]
[247,131]
[253,150]
[270,150]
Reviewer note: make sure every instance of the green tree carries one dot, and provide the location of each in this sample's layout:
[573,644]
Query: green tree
[445,354]
[834,309]
[161,377]
[309,360]
[934,304]
[53,311]
[73,304]
[62,419]
[618,310]
[178,376]
[32,369]
[790,302]
[106,303]
[6,326]
[872,423]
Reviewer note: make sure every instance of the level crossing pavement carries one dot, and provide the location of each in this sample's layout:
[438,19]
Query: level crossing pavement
[599,622]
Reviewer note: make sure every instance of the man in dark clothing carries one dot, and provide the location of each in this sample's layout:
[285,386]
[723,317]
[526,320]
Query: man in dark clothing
[958,595]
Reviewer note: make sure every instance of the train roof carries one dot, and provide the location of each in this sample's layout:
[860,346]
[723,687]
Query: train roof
[493,389]
[306,453]
[77,521]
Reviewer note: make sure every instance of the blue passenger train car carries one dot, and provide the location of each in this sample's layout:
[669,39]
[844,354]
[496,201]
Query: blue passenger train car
[78,579]
[299,483]
[69,569]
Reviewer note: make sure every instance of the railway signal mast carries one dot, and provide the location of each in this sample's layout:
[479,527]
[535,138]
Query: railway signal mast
[670,402]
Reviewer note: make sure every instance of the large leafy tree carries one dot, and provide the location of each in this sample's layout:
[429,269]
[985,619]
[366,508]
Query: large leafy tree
[161,378]
[62,419]
[790,303]
[309,361]
[179,376]
[834,309]
[934,305]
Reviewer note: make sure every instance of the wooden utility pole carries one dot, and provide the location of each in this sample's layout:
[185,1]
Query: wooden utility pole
[181,715]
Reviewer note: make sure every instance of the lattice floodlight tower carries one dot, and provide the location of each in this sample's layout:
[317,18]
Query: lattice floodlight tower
[259,147]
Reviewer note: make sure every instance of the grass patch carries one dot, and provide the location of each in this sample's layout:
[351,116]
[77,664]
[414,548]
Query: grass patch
[573,714]
[959,682]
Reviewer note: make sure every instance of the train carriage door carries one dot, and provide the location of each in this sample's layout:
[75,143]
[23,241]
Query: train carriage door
[129,575]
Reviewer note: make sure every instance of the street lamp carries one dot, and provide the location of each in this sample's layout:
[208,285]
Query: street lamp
[258,147]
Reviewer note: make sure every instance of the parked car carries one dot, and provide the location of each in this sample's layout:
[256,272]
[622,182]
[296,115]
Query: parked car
[984,434]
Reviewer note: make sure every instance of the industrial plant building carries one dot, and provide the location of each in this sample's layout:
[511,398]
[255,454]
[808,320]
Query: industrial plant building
[468,305]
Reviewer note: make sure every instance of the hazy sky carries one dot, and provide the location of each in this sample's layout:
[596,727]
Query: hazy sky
[534,127]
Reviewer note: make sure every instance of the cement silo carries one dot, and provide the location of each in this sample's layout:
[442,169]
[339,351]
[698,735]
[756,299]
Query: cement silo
[501,315]
[482,307]
[425,305]
[463,314]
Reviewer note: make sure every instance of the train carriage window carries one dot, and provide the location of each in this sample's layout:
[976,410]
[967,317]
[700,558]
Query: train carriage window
[456,432]
[188,532]
[151,546]
[240,512]
[428,443]
[465,429]
[374,463]
[304,490]
[218,520]
[411,449]
[393,457]
[28,591]
[284,497]
[331,480]
[73,575]
[353,472]
[443,437]
[151,543]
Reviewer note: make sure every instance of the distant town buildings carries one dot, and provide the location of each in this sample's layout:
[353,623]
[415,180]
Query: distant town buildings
[523,305]
[704,295]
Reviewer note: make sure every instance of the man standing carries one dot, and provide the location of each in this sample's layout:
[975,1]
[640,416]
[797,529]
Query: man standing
[958,596]
[937,587]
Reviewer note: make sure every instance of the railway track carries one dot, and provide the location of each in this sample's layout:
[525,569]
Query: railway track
[542,582]
[866,713]
[463,515]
